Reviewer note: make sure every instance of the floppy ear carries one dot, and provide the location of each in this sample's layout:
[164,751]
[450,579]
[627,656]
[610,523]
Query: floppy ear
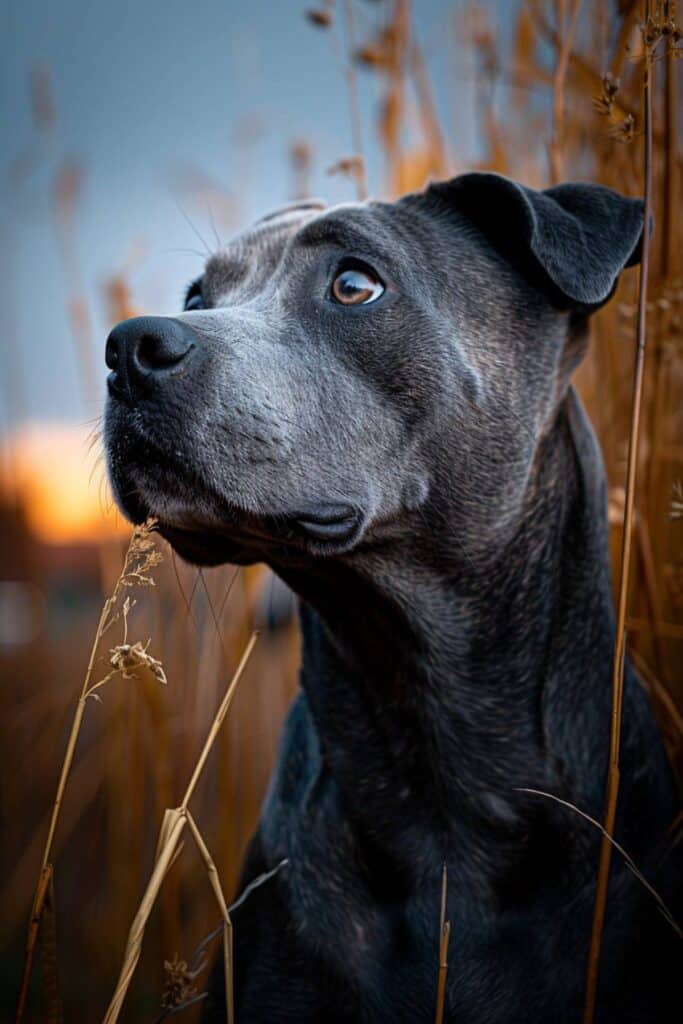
[573,240]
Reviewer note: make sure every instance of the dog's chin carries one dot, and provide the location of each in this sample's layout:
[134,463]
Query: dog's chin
[196,542]
[282,542]
[209,548]
[315,529]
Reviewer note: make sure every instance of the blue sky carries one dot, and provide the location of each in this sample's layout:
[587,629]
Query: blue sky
[147,94]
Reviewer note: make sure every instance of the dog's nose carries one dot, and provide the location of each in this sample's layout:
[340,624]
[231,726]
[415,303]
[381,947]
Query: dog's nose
[144,349]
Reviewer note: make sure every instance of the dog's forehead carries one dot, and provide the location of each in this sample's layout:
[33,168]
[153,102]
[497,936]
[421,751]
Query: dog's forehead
[255,253]
[251,257]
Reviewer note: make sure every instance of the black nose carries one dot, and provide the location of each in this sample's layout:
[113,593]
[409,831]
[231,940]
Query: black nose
[143,350]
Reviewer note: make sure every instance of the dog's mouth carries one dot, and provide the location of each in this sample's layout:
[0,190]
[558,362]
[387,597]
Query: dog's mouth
[205,528]
[250,539]
[325,521]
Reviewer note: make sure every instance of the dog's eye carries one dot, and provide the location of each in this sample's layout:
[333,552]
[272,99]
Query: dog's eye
[193,297]
[356,286]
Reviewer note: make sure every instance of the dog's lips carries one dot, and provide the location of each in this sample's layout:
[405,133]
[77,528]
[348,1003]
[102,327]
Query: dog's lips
[328,522]
[240,537]
[247,539]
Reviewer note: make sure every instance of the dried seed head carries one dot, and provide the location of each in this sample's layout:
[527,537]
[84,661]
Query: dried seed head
[179,986]
[651,31]
[371,56]
[610,84]
[624,131]
[610,87]
[321,18]
[603,105]
[128,658]
[142,556]
[351,165]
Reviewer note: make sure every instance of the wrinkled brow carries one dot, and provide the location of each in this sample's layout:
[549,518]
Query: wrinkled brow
[339,232]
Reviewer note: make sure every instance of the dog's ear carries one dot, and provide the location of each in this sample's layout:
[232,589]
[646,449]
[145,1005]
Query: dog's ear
[573,240]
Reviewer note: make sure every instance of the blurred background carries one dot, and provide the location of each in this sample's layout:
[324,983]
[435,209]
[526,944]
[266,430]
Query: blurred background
[138,136]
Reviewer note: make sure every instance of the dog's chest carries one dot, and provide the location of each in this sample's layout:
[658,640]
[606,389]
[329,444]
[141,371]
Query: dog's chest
[493,963]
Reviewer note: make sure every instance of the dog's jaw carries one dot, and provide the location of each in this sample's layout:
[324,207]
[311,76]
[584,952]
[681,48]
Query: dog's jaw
[207,529]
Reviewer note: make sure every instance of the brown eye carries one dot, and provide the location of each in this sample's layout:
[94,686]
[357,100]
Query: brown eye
[354,286]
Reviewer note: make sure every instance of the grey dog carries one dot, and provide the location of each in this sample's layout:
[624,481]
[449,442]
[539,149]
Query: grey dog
[375,399]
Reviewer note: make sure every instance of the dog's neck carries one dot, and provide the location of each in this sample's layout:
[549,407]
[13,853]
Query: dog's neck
[429,692]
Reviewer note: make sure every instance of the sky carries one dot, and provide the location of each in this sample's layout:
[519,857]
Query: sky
[151,97]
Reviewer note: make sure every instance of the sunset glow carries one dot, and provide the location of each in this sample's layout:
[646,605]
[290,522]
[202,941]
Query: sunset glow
[57,472]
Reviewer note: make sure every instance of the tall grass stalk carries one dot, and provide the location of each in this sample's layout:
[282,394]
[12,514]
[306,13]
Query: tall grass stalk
[566,33]
[171,832]
[612,794]
[139,559]
[354,102]
[444,938]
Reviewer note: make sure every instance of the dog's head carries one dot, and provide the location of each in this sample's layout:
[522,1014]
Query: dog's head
[339,375]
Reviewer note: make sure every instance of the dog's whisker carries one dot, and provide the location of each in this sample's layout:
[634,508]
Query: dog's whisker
[194,252]
[217,238]
[193,227]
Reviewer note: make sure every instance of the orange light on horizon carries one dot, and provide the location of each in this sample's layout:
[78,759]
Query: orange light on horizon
[59,476]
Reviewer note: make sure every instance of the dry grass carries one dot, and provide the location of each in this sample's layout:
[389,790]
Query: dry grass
[167,847]
[444,939]
[140,559]
[563,99]
[649,50]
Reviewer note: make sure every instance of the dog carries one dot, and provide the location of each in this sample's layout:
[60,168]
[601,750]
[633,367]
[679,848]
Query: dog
[375,399]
